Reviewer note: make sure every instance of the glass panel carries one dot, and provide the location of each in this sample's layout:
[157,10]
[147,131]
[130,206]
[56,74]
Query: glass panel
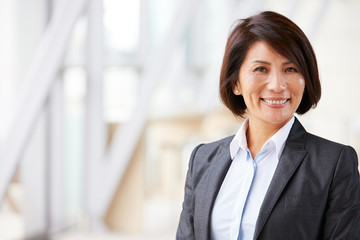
[120,93]
[121,25]
[74,93]
[161,18]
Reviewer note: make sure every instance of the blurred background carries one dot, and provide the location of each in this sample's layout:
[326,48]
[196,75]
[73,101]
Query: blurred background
[102,102]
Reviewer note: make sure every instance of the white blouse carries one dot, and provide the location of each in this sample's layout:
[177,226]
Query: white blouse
[243,190]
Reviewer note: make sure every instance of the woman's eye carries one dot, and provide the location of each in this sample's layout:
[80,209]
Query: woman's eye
[261,69]
[291,69]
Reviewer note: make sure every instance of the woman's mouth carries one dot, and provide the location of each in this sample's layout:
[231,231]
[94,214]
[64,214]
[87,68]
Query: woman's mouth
[275,102]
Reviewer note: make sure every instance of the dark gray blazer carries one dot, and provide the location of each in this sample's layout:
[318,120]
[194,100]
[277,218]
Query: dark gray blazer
[314,193]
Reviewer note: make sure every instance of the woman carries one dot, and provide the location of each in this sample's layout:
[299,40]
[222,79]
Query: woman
[272,180]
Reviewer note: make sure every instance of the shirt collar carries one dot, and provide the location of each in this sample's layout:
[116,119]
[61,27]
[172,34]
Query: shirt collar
[277,140]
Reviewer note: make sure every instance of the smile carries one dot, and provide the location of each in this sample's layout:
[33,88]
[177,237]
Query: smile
[275,102]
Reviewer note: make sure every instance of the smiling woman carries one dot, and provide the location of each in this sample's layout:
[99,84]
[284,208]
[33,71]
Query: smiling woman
[272,89]
[273,179]
[283,38]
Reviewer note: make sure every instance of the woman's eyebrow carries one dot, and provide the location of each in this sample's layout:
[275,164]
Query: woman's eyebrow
[261,61]
[287,63]
[268,63]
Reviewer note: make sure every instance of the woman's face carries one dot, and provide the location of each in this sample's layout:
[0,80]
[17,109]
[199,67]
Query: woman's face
[270,84]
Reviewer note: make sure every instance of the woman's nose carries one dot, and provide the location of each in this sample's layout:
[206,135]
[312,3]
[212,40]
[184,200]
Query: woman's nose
[276,82]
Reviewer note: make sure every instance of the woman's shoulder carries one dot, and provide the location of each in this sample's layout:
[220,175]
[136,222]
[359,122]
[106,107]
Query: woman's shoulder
[224,142]
[205,153]
[321,145]
[205,150]
[315,140]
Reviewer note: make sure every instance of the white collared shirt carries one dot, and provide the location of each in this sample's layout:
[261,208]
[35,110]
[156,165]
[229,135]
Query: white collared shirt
[242,192]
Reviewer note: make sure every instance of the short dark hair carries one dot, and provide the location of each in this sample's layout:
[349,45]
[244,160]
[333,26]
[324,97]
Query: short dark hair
[286,38]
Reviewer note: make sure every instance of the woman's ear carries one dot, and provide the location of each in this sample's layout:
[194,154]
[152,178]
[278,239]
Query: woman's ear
[237,89]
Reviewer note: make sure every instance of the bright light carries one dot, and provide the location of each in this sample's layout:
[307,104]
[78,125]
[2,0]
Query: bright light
[121,20]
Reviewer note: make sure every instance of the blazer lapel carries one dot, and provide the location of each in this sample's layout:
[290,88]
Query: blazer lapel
[215,176]
[293,154]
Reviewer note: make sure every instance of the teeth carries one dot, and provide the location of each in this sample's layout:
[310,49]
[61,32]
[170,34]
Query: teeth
[275,101]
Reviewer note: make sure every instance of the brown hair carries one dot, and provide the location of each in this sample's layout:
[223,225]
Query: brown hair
[287,39]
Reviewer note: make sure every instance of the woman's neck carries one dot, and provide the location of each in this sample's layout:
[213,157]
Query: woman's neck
[258,133]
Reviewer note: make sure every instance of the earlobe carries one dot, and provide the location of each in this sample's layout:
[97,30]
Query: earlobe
[237,91]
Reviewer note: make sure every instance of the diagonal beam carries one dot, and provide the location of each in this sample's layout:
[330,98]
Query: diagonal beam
[117,158]
[41,75]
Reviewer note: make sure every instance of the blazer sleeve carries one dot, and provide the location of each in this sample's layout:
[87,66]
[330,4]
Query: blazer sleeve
[342,217]
[186,225]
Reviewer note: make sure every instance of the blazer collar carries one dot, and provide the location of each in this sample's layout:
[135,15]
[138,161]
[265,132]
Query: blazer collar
[293,154]
[221,162]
